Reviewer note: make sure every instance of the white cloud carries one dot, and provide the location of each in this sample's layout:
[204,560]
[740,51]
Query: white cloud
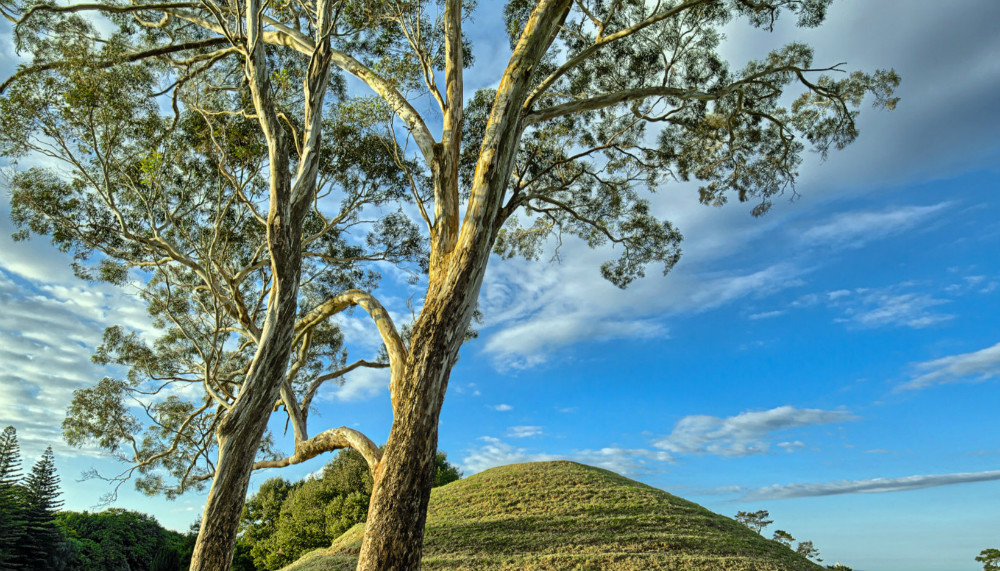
[502,407]
[524,431]
[867,486]
[883,309]
[48,331]
[528,320]
[623,460]
[744,434]
[855,229]
[974,367]
[360,384]
[528,344]
[495,452]
[765,315]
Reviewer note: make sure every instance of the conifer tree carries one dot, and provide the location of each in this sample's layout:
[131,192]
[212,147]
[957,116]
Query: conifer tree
[11,506]
[41,532]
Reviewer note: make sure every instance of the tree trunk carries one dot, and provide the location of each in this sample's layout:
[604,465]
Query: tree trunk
[241,429]
[239,438]
[394,531]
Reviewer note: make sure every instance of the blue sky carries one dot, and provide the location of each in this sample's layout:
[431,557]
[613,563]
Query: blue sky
[835,362]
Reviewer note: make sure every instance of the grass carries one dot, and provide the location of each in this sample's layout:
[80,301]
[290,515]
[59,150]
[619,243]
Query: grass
[564,516]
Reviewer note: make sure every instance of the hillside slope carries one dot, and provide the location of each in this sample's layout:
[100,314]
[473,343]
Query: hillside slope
[561,516]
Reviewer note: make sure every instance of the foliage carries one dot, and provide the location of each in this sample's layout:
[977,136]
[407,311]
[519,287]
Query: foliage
[178,204]
[783,537]
[807,549]
[41,547]
[12,500]
[990,558]
[284,520]
[756,521]
[444,471]
[120,539]
[561,516]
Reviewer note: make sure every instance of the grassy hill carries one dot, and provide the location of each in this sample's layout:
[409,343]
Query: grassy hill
[562,516]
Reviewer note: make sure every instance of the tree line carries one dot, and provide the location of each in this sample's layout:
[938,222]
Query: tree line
[36,536]
[284,520]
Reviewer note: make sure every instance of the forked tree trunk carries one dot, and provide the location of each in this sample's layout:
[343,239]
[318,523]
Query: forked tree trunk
[394,531]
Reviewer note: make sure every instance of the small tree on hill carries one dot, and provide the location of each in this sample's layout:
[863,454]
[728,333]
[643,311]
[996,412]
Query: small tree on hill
[756,521]
[808,550]
[783,537]
[990,558]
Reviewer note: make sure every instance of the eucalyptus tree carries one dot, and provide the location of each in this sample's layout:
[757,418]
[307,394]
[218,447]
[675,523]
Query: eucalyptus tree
[600,102]
[158,174]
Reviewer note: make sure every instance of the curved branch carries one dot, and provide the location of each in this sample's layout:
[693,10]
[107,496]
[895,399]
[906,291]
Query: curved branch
[111,9]
[395,99]
[326,441]
[318,381]
[390,336]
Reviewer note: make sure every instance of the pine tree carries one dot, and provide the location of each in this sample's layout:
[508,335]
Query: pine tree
[12,508]
[41,532]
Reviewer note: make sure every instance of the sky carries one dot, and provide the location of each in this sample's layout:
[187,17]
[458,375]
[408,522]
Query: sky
[835,362]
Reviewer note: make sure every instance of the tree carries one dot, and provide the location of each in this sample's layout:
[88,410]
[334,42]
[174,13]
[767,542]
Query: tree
[756,521]
[282,521]
[783,537]
[12,508]
[990,558]
[42,536]
[121,539]
[599,102]
[444,471]
[260,518]
[806,549]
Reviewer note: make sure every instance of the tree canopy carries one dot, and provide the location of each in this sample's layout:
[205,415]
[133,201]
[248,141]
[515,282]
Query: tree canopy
[212,155]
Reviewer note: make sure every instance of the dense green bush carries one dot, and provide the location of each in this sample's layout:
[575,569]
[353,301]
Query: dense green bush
[283,520]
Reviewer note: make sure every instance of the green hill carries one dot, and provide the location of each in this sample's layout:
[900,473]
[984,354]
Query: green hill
[561,516]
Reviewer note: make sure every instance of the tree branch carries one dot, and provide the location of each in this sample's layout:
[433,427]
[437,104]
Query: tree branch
[326,441]
[163,50]
[390,336]
[602,42]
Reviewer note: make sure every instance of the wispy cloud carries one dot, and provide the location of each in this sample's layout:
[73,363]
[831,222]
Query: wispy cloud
[524,431]
[502,407]
[360,384]
[495,452]
[883,309]
[855,229]
[47,334]
[867,486]
[974,367]
[528,323]
[765,314]
[744,434]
